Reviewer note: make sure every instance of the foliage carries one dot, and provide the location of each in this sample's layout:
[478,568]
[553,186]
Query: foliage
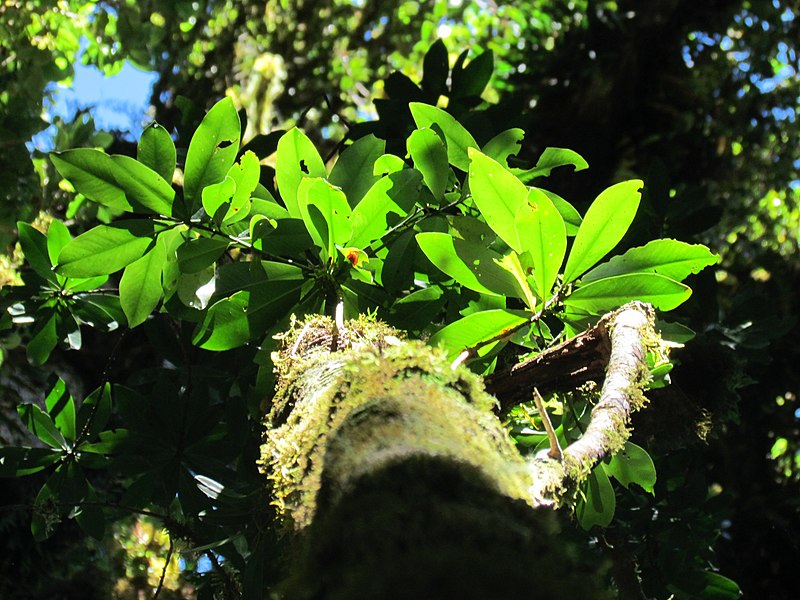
[447,241]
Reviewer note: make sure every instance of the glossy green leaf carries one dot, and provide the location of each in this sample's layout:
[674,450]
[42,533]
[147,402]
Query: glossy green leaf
[216,198]
[80,284]
[604,295]
[213,149]
[91,172]
[498,195]
[353,171]
[233,321]
[504,144]
[140,287]
[472,330]
[34,246]
[471,265]
[633,464]
[297,158]
[604,225]
[44,341]
[58,236]
[95,412]
[671,258]
[61,408]
[599,503]
[430,158]
[718,587]
[19,461]
[245,175]
[572,218]
[143,186]
[458,139]
[40,424]
[326,213]
[157,151]
[196,254]
[553,158]
[106,248]
[387,164]
[391,198]
[542,234]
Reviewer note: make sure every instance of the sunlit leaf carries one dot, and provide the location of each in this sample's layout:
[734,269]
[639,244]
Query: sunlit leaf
[604,295]
[633,464]
[471,265]
[140,287]
[671,258]
[61,408]
[472,330]
[353,171]
[606,221]
[106,248]
[599,503]
[499,196]
[34,246]
[552,158]
[326,213]
[430,158]
[389,199]
[541,232]
[504,144]
[40,424]
[458,139]
[198,253]
[157,151]
[213,149]
[297,158]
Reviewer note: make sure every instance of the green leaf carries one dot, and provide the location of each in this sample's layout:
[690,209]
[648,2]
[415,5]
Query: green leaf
[40,424]
[287,238]
[552,158]
[118,182]
[196,254]
[498,195]
[20,461]
[472,80]
[391,198]
[718,587]
[458,139]
[34,246]
[106,248]
[95,412]
[217,196]
[45,515]
[353,171]
[140,287]
[604,225]
[245,175]
[504,144]
[157,151]
[599,504]
[213,149]
[233,321]
[542,234]
[604,295]
[92,174]
[58,236]
[633,465]
[297,158]
[572,218]
[387,164]
[416,310]
[435,69]
[474,329]
[325,212]
[61,408]
[44,341]
[472,265]
[430,158]
[670,258]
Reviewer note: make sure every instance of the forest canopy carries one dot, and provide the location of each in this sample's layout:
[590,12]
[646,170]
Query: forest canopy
[391,160]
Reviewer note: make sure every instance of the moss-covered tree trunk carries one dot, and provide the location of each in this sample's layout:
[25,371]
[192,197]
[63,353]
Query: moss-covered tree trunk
[397,479]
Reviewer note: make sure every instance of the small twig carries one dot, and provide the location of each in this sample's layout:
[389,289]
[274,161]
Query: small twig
[555,447]
[164,570]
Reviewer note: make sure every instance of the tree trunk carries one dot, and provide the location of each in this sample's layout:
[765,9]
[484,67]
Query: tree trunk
[398,480]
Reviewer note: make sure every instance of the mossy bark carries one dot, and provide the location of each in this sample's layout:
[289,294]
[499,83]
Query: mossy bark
[399,479]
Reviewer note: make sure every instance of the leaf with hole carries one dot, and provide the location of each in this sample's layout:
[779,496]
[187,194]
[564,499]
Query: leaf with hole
[297,158]
[458,139]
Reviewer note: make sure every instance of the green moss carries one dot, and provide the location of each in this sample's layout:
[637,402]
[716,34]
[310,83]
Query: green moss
[342,415]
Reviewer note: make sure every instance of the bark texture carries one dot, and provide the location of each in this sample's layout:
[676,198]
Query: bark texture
[395,473]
